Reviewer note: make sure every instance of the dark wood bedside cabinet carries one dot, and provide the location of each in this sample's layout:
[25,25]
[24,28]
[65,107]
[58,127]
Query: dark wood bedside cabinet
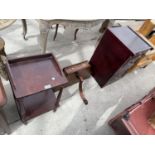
[118,47]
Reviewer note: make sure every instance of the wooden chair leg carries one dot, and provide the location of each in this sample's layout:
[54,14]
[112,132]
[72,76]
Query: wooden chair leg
[24,23]
[147,27]
[75,34]
[56,31]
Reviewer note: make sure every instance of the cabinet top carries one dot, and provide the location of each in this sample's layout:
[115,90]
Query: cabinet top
[33,74]
[130,39]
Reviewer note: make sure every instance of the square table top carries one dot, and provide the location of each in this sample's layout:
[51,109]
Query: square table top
[33,74]
[132,40]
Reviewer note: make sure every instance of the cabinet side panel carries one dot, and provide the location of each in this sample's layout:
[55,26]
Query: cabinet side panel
[108,57]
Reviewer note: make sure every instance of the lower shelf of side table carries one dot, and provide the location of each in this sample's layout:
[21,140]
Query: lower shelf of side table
[36,104]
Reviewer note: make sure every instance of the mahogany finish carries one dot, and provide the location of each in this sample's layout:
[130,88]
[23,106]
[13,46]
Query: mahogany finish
[83,69]
[36,104]
[77,73]
[116,47]
[135,119]
[30,75]
[34,80]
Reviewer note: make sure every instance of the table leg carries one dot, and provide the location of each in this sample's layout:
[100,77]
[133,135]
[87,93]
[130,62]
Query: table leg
[75,34]
[58,99]
[43,38]
[4,123]
[56,31]
[21,111]
[24,23]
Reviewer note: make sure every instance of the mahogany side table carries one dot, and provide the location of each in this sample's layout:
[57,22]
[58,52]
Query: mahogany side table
[34,80]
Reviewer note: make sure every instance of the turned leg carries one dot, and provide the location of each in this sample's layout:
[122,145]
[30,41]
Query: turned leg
[75,34]
[43,38]
[56,31]
[58,99]
[24,23]
[4,123]
[81,90]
